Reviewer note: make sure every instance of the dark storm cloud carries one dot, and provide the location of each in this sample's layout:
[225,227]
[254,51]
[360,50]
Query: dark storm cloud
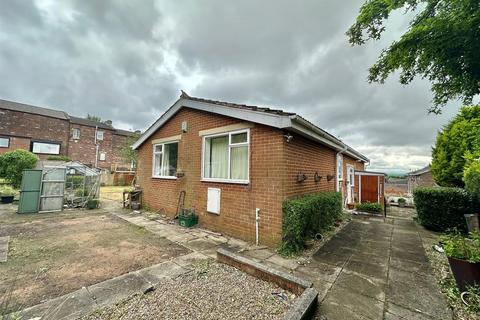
[127,60]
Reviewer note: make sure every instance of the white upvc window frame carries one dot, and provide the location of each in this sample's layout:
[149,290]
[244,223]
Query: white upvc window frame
[76,133]
[230,145]
[8,142]
[163,159]
[46,143]
[100,135]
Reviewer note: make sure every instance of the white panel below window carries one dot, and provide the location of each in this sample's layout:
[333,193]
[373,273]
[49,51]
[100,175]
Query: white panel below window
[213,200]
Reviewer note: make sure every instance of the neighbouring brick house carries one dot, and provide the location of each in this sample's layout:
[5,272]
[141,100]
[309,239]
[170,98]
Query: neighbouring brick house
[48,132]
[232,160]
[420,178]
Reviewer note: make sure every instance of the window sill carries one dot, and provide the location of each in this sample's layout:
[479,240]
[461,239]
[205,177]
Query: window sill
[164,177]
[244,182]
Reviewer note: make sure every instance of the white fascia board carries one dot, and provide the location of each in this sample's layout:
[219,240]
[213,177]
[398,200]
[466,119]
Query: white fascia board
[367,173]
[269,119]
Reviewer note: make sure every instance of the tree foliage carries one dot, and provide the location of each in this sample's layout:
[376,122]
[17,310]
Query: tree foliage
[128,154]
[13,163]
[455,144]
[472,179]
[442,45]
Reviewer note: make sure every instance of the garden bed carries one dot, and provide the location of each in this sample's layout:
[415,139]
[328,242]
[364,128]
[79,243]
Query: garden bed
[210,291]
[54,254]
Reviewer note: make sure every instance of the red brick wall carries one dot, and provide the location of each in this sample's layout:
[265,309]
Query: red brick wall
[16,143]
[238,202]
[33,126]
[84,149]
[306,157]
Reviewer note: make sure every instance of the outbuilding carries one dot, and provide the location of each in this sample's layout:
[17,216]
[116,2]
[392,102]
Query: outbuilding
[232,163]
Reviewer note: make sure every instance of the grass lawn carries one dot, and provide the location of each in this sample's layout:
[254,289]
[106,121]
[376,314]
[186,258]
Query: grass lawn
[56,253]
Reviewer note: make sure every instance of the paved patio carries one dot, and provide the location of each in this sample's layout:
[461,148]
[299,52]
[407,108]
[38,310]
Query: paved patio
[377,270]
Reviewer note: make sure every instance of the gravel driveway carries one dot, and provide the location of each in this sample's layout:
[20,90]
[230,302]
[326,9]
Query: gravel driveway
[210,291]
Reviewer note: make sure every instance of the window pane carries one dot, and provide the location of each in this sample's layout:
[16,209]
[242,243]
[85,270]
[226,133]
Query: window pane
[239,159]
[76,133]
[239,137]
[99,135]
[158,148]
[4,142]
[216,157]
[48,148]
[157,163]
[169,167]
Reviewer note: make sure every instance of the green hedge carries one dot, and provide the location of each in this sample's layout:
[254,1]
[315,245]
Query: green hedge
[306,216]
[442,209]
[370,207]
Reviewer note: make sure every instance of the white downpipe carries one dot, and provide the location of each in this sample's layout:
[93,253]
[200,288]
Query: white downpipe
[336,166]
[257,221]
[96,148]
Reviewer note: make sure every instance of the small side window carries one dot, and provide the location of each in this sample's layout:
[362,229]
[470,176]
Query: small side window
[99,135]
[103,156]
[4,142]
[76,133]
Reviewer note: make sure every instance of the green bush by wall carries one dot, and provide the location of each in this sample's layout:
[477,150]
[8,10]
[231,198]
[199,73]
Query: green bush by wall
[442,209]
[306,216]
[13,163]
[369,207]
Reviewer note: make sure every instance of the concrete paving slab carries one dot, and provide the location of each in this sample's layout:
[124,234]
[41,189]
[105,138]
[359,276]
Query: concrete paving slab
[260,254]
[110,291]
[359,283]
[282,262]
[200,244]
[410,266]
[332,258]
[187,260]
[318,272]
[156,273]
[361,305]
[372,257]
[416,256]
[367,269]
[4,248]
[416,292]
[70,306]
[394,312]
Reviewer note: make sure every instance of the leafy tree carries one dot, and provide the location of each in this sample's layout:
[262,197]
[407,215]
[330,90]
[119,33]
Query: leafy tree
[92,117]
[13,163]
[459,139]
[442,45]
[472,179]
[128,154]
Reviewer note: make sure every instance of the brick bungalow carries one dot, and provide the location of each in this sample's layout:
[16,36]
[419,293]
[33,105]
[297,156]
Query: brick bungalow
[48,132]
[233,161]
[420,178]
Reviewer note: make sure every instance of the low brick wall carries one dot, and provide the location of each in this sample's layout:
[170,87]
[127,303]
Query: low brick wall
[307,301]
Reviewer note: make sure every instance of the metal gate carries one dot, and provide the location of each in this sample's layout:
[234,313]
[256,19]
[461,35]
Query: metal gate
[30,191]
[53,187]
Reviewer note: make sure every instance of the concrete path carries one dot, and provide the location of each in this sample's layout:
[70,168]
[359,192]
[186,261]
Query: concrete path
[376,270]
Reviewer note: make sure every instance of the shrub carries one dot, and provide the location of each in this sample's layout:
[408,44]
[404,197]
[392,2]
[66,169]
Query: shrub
[460,247]
[369,207]
[442,209]
[13,163]
[7,191]
[306,216]
[471,178]
[402,200]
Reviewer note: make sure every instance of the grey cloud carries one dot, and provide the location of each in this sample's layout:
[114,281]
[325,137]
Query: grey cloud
[127,60]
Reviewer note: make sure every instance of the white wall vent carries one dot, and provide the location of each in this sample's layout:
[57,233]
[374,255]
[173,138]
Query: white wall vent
[213,200]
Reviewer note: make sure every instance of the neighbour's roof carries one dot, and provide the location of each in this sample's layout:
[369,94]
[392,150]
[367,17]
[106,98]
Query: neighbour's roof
[267,116]
[21,107]
[16,106]
[420,171]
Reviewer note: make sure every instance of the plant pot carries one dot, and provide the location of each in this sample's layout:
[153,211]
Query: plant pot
[465,273]
[7,199]
[401,204]
[350,206]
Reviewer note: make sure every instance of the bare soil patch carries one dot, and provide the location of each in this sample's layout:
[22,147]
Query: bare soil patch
[55,254]
[210,291]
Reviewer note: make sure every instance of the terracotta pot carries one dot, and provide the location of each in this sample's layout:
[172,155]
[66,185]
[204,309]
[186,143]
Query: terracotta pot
[350,206]
[465,273]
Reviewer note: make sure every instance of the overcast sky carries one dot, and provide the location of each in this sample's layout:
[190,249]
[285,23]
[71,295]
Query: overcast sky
[128,60]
